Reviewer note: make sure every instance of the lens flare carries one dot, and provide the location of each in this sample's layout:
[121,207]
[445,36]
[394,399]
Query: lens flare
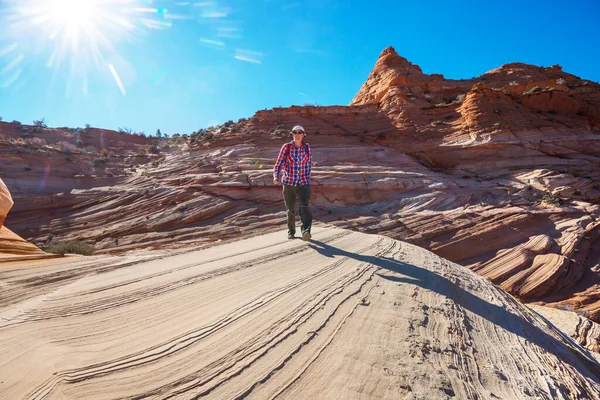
[76,36]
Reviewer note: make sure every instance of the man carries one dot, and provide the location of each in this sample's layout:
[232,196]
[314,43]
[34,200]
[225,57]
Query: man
[294,164]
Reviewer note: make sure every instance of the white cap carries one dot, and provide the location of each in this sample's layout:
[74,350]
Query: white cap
[297,128]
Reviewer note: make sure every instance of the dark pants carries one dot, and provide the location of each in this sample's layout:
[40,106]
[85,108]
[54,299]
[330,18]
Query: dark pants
[289,196]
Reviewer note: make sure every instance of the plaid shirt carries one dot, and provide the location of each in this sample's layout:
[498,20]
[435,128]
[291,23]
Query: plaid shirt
[296,163]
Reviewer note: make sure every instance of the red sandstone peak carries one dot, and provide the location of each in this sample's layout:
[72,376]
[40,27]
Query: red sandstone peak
[392,59]
[391,74]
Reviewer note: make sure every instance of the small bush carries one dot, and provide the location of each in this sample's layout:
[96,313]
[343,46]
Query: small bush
[551,199]
[39,125]
[154,150]
[73,247]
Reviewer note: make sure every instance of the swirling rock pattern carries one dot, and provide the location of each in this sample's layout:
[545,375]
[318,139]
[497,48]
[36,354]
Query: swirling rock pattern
[499,173]
[348,315]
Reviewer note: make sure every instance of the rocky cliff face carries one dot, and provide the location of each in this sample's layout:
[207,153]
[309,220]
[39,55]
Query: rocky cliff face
[499,173]
[11,245]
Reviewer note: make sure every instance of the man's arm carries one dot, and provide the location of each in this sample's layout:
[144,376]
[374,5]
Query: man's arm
[279,163]
[309,166]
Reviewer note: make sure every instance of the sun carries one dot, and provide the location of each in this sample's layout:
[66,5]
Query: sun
[72,21]
[78,37]
[72,14]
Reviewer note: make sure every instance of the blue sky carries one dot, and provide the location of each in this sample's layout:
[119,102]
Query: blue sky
[179,66]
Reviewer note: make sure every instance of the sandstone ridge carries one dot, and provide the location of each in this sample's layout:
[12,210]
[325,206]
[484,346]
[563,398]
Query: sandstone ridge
[348,315]
[499,173]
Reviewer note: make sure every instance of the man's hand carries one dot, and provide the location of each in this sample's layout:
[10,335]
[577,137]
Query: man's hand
[276,181]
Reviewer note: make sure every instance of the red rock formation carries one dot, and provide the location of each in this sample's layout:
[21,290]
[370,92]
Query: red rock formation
[499,173]
[11,244]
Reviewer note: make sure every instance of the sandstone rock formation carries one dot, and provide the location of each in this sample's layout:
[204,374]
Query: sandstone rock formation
[499,173]
[349,315]
[10,243]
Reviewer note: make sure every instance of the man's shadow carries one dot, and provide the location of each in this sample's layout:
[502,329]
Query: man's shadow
[571,353]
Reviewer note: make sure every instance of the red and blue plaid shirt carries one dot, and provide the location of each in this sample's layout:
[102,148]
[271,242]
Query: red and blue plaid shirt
[296,163]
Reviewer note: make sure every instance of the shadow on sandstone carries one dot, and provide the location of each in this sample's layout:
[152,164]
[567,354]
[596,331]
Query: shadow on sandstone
[571,353]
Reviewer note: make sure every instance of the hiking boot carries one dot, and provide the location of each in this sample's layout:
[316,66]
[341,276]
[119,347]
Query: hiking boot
[290,236]
[306,236]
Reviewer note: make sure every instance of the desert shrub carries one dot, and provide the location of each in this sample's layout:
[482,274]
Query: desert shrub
[73,247]
[39,125]
[154,149]
[99,161]
[551,199]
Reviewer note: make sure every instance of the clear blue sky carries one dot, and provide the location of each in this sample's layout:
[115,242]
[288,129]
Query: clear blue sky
[179,66]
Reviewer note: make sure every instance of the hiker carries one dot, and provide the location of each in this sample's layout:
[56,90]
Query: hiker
[294,164]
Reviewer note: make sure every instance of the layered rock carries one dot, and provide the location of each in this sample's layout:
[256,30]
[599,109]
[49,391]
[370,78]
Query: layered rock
[348,315]
[499,173]
[10,243]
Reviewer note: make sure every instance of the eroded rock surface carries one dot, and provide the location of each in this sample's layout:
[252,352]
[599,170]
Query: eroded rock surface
[12,245]
[499,173]
[348,315]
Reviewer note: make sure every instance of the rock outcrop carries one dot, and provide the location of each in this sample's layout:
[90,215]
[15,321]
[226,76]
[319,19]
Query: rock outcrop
[12,245]
[348,315]
[499,173]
